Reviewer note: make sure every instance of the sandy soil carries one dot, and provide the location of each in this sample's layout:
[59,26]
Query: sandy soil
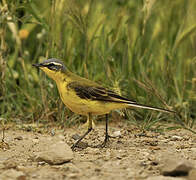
[131,155]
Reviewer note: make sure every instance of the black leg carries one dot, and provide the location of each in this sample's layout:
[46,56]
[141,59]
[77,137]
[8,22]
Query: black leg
[106,131]
[89,120]
[82,137]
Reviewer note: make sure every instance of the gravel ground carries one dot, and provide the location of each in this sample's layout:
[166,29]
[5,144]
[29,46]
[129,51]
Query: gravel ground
[131,155]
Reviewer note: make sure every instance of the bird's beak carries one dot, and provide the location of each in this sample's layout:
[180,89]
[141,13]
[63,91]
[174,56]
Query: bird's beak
[38,65]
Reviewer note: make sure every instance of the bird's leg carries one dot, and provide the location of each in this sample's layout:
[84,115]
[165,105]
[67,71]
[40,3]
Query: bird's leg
[107,136]
[86,125]
[90,124]
[106,131]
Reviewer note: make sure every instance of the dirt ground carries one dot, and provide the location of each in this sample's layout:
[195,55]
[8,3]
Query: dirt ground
[131,155]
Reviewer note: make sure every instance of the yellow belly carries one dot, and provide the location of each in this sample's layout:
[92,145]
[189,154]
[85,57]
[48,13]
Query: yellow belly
[85,106]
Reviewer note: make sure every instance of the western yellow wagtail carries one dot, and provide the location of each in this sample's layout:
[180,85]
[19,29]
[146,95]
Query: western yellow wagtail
[86,97]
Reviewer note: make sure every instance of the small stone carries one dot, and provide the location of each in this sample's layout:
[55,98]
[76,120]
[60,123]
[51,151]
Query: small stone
[35,141]
[97,169]
[154,148]
[52,132]
[58,153]
[176,167]
[143,163]
[41,163]
[72,175]
[176,138]
[154,163]
[18,138]
[9,164]
[116,134]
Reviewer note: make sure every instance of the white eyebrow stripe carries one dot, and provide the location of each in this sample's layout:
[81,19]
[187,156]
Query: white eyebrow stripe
[55,63]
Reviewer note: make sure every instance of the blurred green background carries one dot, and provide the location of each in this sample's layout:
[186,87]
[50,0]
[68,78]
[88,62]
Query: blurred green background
[144,50]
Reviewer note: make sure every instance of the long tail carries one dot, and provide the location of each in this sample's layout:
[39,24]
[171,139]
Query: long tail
[133,104]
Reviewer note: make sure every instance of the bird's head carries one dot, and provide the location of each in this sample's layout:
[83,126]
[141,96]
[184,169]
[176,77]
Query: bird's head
[54,68]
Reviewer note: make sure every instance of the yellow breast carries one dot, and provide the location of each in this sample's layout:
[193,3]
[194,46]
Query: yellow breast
[84,106]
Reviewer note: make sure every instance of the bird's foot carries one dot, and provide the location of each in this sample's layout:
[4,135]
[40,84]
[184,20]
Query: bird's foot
[80,139]
[79,146]
[73,146]
[104,144]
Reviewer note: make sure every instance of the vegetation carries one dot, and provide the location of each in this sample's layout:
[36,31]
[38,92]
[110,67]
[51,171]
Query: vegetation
[144,49]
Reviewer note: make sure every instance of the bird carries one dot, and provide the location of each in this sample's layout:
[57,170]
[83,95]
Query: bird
[86,97]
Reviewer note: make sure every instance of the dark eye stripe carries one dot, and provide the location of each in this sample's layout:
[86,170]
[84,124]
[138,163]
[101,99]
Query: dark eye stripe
[52,66]
[49,65]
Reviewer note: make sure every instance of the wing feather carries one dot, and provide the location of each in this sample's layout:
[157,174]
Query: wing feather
[97,93]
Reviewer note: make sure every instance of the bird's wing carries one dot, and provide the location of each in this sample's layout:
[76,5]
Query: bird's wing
[97,93]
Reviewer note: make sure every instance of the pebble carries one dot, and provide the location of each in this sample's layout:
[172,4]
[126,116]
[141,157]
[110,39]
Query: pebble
[8,164]
[176,138]
[116,134]
[35,140]
[57,153]
[18,138]
[72,175]
[176,167]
